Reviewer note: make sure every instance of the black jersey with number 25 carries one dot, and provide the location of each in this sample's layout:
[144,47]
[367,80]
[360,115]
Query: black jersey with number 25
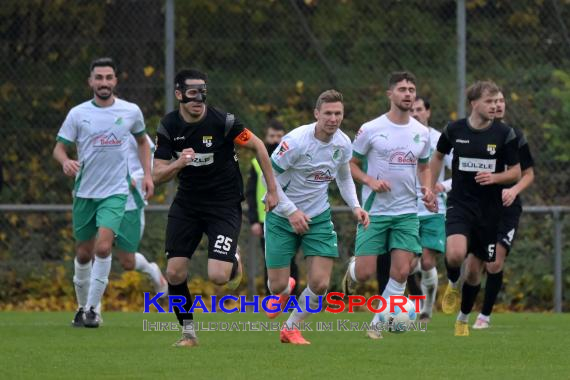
[213,176]
[477,150]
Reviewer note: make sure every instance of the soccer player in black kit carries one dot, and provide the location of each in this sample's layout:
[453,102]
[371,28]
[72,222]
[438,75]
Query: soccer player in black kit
[485,156]
[509,223]
[197,144]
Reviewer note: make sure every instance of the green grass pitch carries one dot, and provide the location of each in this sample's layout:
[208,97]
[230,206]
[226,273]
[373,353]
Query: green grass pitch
[519,345]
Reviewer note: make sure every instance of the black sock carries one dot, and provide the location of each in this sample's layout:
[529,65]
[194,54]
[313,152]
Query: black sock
[182,290]
[468,296]
[492,289]
[383,271]
[413,286]
[452,273]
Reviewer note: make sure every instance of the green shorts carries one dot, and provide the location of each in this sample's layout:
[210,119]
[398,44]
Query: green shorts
[282,242]
[432,232]
[131,231]
[388,232]
[90,214]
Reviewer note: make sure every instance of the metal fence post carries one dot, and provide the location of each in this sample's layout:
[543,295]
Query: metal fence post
[169,45]
[557,261]
[461,58]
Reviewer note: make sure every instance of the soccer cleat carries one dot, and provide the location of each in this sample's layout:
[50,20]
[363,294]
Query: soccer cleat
[79,319]
[450,301]
[162,285]
[425,317]
[461,328]
[292,336]
[233,283]
[374,334]
[348,284]
[481,324]
[281,301]
[186,341]
[92,319]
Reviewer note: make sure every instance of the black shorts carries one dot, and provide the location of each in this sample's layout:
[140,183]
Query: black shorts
[187,223]
[509,226]
[479,226]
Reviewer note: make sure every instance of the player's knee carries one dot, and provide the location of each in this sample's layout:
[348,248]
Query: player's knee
[127,262]
[175,276]
[277,286]
[363,273]
[400,274]
[454,257]
[319,286]
[83,255]
[472,277]
[103,249]
[428,262]
[495,267]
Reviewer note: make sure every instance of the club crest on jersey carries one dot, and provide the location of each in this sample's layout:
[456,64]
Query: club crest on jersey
[207,140]
[336,154]
[492,149]
[282,149]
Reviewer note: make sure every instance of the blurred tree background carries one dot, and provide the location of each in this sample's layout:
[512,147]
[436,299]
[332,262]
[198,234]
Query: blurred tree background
[270,59]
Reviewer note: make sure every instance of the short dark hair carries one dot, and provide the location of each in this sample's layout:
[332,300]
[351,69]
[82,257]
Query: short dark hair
[476,90]
[185,74]
[427,104]
[398,76]
[103,62]
[329,96]
[275,124]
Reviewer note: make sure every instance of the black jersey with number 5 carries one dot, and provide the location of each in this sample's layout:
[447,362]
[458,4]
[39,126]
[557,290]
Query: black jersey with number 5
[477,150]
[213,177]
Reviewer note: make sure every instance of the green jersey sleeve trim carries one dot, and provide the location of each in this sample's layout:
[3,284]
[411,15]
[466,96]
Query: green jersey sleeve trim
[139,133]
[423,160]
[276,167]
[358,155]
[63,141]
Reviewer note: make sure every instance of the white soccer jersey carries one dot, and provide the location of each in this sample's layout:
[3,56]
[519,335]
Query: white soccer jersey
[101,136]
[307,166]
[136,172]
[391,153]
[441,197]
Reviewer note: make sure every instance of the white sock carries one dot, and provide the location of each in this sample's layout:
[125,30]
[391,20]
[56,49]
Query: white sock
[486,318]
[81,280]
[429,289]
[99,280]
[417,268]
[352,270]
[142,265]
[296,316]
[463,317]
[393,288]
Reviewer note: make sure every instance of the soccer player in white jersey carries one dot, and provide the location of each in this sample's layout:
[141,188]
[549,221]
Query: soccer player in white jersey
[100,129]
[432,225]
[396,148]
[305,162]
[132,226]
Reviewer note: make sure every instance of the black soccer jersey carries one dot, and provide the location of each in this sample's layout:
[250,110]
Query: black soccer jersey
[213,177]
[486,150]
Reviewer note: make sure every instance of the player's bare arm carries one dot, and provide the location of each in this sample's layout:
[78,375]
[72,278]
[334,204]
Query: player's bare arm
[426,179]
[70,167]
[251,141]
[377,185]
[144,158]
[509,195]
[435,166]
[509,176]
[165,170]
